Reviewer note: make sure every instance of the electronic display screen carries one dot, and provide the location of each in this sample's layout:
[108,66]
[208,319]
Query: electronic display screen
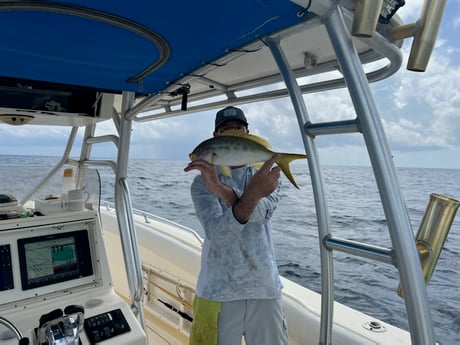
[50,259]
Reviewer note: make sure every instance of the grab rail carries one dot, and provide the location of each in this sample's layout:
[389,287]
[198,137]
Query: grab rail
[322,213]
[124,211]
[148,216]
[405,252]
[64,159]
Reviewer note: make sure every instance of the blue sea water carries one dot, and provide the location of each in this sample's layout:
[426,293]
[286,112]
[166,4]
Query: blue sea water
[163,188]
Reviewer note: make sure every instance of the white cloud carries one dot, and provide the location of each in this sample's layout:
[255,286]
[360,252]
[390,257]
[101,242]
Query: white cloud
[24,131]
[426,105]
[456,23]
[411,10]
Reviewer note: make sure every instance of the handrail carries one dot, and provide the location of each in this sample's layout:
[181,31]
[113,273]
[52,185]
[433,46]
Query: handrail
[165,221]
[103,139]
[133,242]
[399,225]
[124,211]
[97,162]
[404,255]
[262,96]
[363,250]
[322,213]
[64,159]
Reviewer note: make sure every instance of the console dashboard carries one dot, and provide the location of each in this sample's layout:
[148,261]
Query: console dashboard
[53,263]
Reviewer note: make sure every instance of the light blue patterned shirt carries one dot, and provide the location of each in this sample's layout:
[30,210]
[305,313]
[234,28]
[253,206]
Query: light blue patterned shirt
[238,260]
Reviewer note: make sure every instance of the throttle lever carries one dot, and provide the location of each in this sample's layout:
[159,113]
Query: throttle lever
[52,315]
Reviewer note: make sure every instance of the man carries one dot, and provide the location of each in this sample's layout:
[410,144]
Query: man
[239,289]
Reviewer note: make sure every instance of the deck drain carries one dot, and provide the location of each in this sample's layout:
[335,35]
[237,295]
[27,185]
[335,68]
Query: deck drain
[374,326]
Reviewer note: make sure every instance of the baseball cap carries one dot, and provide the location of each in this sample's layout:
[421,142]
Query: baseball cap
[230,113]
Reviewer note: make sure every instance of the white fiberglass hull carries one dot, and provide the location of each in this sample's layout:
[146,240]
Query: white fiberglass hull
[170,257]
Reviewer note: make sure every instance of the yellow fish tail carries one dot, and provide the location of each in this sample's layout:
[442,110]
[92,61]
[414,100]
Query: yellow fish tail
[284,161]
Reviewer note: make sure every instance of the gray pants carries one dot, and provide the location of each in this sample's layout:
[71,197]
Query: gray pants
[260,321]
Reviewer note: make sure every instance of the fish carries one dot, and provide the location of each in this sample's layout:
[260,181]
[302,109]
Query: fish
[235,148]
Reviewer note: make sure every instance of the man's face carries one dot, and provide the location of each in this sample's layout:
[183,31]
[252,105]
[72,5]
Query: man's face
[231,124]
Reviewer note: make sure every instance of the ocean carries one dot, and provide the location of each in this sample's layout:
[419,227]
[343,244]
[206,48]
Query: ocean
[163,188]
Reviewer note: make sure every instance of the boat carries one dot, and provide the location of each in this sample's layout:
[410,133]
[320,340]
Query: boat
[76,269]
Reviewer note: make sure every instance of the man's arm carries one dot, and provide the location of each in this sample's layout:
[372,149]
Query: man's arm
[262,184]
[212,182]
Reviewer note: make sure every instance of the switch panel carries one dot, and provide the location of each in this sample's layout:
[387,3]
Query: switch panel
[105,326]
[6,269]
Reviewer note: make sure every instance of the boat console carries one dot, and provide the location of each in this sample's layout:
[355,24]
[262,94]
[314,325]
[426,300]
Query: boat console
[55,283]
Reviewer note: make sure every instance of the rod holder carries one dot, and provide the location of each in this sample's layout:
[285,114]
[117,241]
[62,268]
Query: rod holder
[432,233]
[425,31]
[366,16]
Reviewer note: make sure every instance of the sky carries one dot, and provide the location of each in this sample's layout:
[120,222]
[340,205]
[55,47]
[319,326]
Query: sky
[420,113]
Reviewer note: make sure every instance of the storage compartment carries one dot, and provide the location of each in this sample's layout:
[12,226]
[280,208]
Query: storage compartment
[50,206]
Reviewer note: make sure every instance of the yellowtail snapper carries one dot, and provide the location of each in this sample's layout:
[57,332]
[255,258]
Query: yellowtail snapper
[236,148]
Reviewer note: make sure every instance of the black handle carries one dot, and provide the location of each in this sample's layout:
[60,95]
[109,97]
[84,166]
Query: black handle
[24,341]
[73,309]
[52,315]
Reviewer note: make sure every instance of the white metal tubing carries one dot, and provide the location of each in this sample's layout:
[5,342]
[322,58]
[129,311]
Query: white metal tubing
[322,214]
[333,127]
[85,153]
[366,17]
[64,160]
[363,250]
[137,291]
[102,139]
[98,162]
[377,43]
[124,214]
[399,225]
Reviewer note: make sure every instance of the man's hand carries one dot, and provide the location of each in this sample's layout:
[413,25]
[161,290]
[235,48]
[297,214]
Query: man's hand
[208,172]
[263,183]
[212,182]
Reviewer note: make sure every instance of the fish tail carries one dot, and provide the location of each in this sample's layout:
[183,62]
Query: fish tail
[284,161]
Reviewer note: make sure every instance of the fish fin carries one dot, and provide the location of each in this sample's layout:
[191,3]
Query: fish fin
[226,170]
[238,133]
[284,161]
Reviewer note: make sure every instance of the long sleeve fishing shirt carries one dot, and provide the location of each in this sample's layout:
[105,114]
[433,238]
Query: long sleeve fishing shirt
[238,260]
